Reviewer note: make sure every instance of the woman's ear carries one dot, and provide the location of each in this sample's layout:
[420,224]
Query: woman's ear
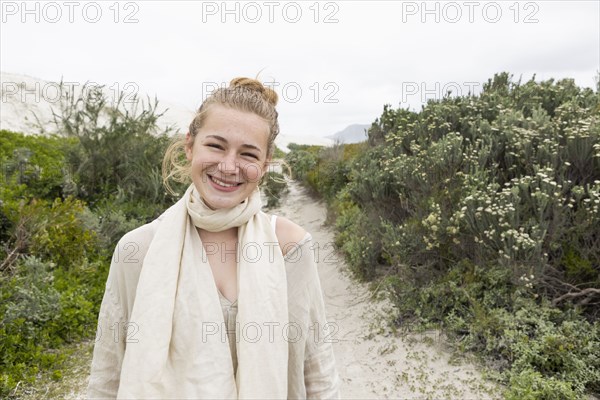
[188,146]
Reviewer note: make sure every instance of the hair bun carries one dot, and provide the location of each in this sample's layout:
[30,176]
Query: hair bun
[252,84]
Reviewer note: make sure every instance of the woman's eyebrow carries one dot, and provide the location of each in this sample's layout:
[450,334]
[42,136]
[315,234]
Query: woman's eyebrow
[222,139]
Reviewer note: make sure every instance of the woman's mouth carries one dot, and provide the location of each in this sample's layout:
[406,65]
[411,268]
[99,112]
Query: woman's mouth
[223,186]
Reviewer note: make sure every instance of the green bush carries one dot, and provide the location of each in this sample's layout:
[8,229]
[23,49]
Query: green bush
[301,159]
[119,147]
[531,385]
[64,203]
[53,232]
[34,299]
[35,162]
[274,188]
[63,238]
[111,223]
[29,303]
[330,174]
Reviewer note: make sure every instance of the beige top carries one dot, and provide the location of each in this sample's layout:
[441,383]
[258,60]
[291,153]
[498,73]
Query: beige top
[229,316]
[312,372]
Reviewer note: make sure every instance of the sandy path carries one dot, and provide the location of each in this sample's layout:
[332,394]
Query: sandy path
[372,362]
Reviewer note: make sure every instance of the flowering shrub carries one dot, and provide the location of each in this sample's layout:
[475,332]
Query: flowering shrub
[486,208]
[496,178]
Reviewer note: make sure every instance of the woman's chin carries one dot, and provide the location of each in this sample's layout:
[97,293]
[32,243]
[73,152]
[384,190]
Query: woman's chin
[216,200]
[222,204]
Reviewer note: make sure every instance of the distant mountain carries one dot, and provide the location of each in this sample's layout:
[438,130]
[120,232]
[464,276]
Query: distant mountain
[352,134]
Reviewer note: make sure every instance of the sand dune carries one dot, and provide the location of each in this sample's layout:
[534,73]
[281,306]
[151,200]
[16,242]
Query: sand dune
[24,97]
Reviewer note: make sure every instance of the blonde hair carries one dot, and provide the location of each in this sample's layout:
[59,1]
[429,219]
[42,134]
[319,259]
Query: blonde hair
[243,94]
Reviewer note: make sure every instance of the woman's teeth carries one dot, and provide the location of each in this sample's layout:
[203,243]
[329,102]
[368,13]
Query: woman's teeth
[223,183]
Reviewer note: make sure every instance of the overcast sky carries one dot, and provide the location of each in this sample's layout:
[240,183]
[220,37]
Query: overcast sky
[333,63]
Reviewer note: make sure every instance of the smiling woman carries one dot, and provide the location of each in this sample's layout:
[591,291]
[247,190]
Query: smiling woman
[203,317]
[226,156]
[252,109]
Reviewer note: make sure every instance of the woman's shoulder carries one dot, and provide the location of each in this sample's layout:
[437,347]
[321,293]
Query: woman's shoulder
[289,234]
[141,235]
[126,264]
[134,244]
[288,231]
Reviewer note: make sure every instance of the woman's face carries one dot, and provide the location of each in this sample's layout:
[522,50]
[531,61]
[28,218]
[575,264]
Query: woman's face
[229,156]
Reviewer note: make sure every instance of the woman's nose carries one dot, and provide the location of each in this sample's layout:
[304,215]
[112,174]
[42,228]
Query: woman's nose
[229,163]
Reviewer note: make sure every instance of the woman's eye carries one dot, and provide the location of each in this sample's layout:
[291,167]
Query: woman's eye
[218,146]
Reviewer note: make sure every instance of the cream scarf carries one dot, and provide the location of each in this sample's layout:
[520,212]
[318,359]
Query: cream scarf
[177,344]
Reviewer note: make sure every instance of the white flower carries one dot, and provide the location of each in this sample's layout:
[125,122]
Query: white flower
[431,218]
